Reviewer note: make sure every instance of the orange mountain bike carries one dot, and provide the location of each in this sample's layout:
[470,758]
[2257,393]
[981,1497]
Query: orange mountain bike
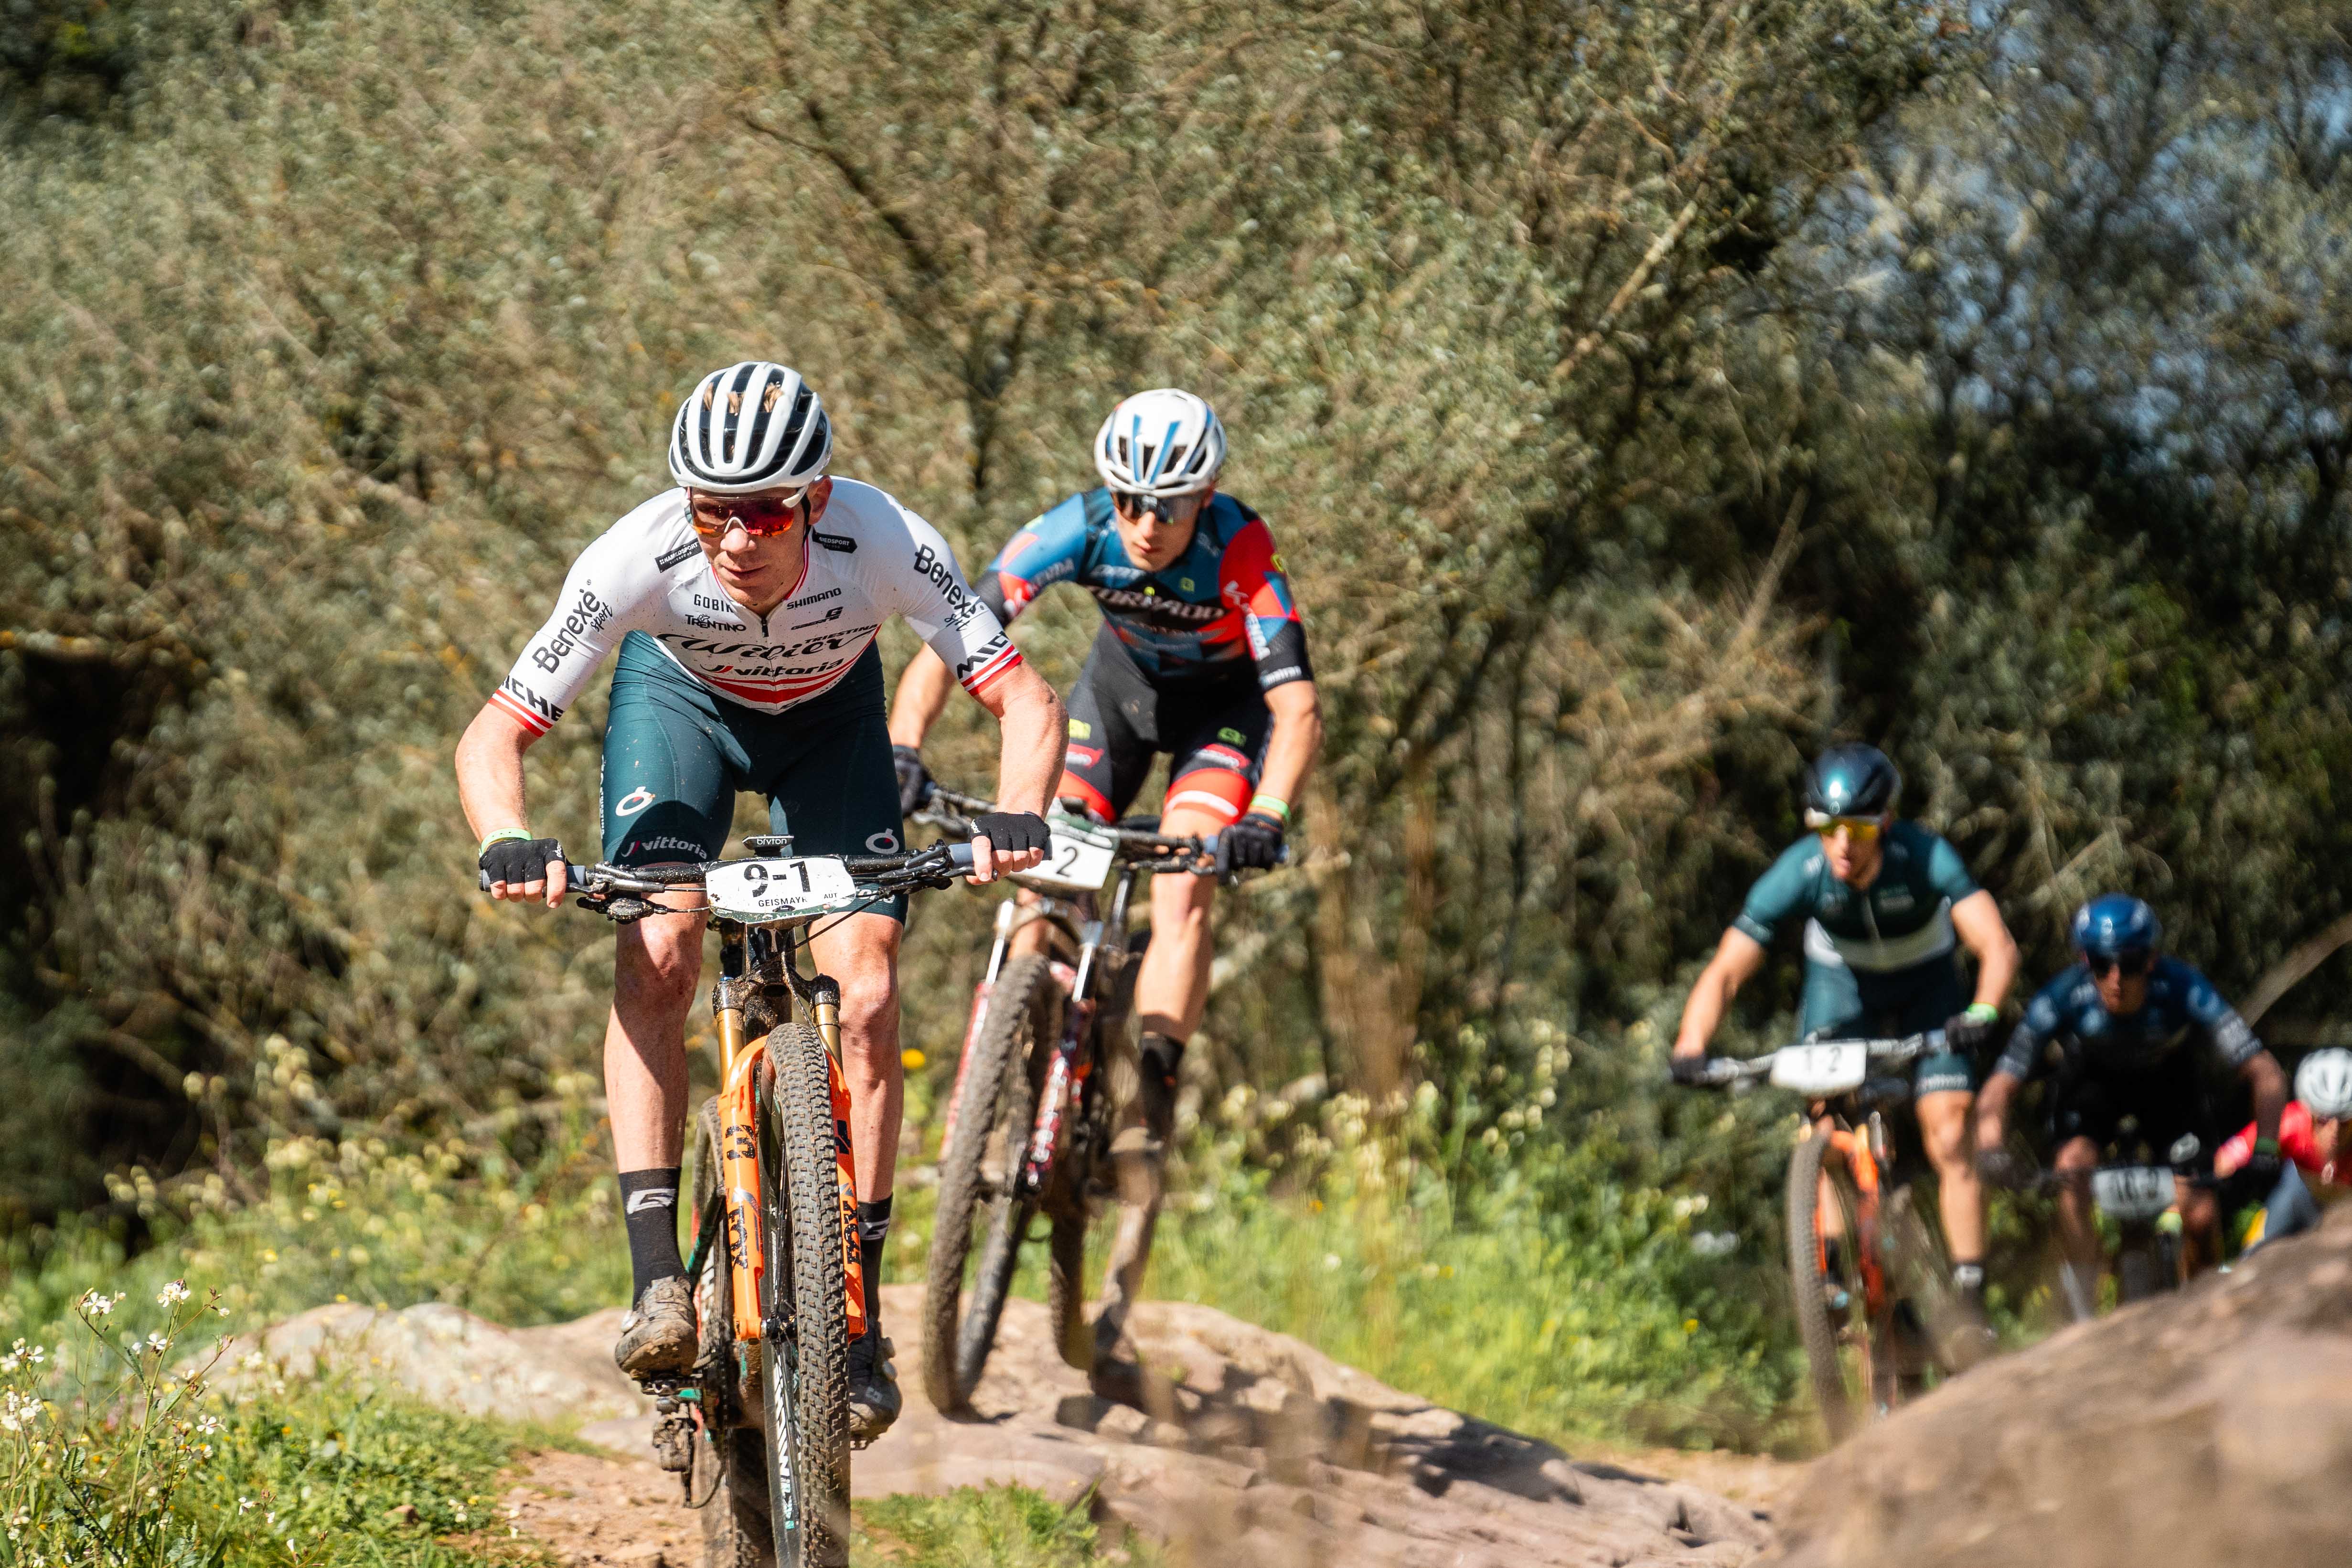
[759,1427]
[1873,1291]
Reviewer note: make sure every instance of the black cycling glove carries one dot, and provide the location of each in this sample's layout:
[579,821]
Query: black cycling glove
[1253,843]
[1009,832]
[1689,1070]
[914,780]
[518,861]
[1999,1166]
[2253,1182]
[1967,1035]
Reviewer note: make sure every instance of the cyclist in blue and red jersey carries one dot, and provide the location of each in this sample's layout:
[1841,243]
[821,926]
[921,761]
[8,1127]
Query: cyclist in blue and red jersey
[1202,657]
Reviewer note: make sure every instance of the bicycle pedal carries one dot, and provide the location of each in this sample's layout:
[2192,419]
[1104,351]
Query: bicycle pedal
[674,1444]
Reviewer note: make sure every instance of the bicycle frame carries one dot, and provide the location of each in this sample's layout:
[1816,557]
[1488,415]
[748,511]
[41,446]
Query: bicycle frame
[1070,1073]
[1852,1146]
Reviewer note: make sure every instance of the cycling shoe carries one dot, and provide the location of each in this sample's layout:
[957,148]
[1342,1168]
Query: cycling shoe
[874,1397]
[658,1334]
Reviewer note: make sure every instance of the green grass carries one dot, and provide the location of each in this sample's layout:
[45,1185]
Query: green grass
[997,1527]
[123,1450]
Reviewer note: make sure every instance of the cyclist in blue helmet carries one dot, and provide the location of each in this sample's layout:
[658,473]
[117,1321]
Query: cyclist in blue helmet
[1887,905]
[2114,1027]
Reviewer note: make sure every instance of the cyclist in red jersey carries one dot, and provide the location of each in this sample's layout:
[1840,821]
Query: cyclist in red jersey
[1202,657]
[2311,1137]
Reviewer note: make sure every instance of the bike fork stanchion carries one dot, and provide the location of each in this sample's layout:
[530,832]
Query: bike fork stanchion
[1007,914]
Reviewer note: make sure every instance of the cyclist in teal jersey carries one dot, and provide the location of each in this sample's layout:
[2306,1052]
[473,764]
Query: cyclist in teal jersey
[1887,906]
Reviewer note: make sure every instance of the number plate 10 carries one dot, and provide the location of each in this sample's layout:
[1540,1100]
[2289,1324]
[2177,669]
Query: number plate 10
[2132,1192]
[1077,859]
[772,888]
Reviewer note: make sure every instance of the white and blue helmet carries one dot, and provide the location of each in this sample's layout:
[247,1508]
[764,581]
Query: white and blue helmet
[752,426]
[1160,444]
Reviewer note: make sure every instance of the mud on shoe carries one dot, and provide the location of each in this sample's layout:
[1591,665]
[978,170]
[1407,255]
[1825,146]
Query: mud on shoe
[874,1397]
[658,1333]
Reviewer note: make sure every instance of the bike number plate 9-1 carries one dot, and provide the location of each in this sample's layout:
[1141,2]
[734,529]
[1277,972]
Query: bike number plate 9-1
[776,889]
[2132,1192]
[1821,1070]
[1077,861]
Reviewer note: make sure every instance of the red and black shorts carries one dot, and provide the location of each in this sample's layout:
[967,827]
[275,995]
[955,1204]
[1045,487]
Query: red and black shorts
[1213,732]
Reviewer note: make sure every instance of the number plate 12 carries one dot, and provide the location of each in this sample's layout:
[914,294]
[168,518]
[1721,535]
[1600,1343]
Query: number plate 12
[774,889]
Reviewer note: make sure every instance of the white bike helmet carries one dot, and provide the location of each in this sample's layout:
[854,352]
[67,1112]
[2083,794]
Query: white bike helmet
[1160,444]
[2324,1083]
[752,426]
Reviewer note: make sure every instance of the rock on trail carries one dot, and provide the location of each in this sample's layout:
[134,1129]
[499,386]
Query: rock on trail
[2212,1426]
[1252,1447]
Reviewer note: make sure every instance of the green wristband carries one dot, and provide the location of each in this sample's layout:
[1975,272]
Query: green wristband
[2266,1146]
[499,837]
[1273,806]
[1982,1012]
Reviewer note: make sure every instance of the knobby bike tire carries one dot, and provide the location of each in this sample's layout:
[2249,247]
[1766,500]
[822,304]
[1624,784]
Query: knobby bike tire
[730,1459]
[2140,1270]
[1069,1201]
[1827,1351]
[806,1348]
[1922,1272]
[993,1113]
[1065,1288]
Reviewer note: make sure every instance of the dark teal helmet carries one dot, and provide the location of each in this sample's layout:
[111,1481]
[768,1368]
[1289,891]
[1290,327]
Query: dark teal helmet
[2116,925]
[1851,780]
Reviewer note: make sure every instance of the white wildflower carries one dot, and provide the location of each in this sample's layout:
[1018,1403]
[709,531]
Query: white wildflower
[98,1303]
[173,1294]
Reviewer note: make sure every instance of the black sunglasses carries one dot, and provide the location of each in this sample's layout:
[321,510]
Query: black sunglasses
[2131,965]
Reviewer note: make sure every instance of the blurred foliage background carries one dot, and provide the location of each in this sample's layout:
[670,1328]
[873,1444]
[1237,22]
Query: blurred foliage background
[1641,397]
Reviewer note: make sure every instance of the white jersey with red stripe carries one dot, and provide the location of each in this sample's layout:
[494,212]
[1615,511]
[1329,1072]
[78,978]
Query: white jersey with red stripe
[866,558]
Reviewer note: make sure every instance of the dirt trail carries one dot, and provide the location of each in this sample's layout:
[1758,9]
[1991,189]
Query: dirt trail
[1254,1447]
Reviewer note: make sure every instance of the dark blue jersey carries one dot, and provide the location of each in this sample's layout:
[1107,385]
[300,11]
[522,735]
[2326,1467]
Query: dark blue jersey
[2180,1003]
[1220,608]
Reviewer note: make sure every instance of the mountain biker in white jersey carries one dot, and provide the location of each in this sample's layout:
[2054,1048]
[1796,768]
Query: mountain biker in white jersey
[745,603]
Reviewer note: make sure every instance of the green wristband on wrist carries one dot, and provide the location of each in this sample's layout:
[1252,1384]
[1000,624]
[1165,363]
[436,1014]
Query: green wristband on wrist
[2266,1146]
[1273,806]
[499,837]
[1982,1012]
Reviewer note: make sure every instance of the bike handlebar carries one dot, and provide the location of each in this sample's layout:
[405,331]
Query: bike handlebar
[1133,843]
[600,879]
[1723,1071]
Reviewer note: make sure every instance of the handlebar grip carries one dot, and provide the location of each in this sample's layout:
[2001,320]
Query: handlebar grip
[960,856]
[574,875]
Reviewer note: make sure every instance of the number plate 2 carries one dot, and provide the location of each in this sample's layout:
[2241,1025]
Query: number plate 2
[767,890]
[1077,858]
[2132,1192]
[1821,1070]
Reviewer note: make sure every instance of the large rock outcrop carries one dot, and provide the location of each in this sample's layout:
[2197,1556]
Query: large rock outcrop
[2210,1428]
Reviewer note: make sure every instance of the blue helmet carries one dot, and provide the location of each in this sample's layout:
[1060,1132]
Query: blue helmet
[2116,924]
[1851,780]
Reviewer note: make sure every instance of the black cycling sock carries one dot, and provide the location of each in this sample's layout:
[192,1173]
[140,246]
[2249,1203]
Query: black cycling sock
[873,1232]
[1158,1057]
[649,1208]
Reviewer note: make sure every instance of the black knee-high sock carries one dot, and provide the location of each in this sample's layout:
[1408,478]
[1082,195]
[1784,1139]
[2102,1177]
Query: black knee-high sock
[649,1208]
[873,1232]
